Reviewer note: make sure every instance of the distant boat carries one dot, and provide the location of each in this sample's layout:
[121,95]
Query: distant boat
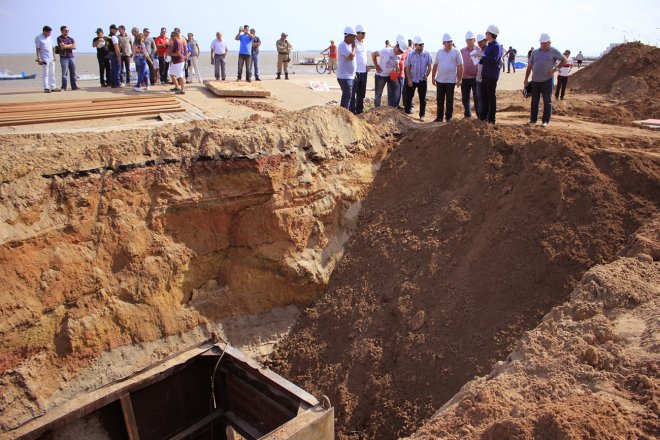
[87,77]
[6,74]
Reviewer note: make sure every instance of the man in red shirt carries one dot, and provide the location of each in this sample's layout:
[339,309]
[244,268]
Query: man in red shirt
[162,44]
[332,52]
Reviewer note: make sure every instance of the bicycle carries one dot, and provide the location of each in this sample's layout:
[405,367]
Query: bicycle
[323,65]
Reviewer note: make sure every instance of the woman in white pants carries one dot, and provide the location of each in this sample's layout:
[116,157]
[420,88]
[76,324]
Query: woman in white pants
[193,50]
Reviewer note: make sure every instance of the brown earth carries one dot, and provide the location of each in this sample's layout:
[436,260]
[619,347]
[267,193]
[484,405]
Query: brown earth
[469,235]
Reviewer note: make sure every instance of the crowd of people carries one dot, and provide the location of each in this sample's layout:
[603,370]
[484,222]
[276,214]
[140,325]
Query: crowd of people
[402,68]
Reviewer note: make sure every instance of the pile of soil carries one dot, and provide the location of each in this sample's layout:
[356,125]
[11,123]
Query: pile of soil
[628,73]
[468,237]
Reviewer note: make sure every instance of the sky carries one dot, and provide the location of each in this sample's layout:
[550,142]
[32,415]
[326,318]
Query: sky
[586,25]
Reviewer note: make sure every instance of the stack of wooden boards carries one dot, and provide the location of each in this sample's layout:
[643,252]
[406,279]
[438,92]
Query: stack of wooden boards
[22,113]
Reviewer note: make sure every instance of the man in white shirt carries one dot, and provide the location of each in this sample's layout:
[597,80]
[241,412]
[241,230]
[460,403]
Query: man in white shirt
[46,59]
[447,75]
[562,76]
[388,63]
[360,84]
[346,66]
[218,53]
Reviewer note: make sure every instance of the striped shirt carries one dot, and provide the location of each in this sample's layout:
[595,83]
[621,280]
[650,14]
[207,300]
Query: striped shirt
[418,63]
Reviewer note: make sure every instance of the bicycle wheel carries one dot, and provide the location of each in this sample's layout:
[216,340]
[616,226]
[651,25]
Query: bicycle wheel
[321,67]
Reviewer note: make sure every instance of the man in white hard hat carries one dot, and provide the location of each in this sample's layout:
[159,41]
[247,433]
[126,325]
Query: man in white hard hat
[490,73]
[447,75]
[386,62]
[360,84]
[543,65]
[470,70]
[346,66]
[477,54]
[418,68]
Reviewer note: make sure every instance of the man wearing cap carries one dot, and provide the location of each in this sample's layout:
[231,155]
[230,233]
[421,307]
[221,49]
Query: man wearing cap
[387,72]
[150,44]
[115,58]
[469,82]
[46,59]
[244,53]
[283,50]
[360,82]
[218,53]
[490,73]
[162,43]
[418,68]
[447,74]
[477,53]
[543,65]
[346,66]
[102,45]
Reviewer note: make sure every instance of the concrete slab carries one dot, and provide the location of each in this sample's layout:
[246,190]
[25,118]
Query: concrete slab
[236,89]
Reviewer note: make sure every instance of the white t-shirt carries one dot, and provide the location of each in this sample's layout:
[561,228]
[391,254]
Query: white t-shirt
[361,56]
[218,47]
[448,62]
[45,46]
[567,68]
[345,67]
[115,39]
[388,61]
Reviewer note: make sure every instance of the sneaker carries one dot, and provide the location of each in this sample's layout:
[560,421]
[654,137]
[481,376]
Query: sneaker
[55,90]
[437,120]
[544,125]
[138,89]
[179,92]
[122,85]
[174,89]
[257,79]
[530,123]
[46,90]
[248,80]
[75,88]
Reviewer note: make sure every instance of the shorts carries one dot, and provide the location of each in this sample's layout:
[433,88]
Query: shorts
[176,70]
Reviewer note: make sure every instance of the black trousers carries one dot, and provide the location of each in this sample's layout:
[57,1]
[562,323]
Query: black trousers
[163,68]
[445,93]
[562,81]
[489,86]
[469,85]
[125,69]
[104,70]
[421,88]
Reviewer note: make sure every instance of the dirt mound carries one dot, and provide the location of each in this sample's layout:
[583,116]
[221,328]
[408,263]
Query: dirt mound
[589,370]
[628,73]
[468,237]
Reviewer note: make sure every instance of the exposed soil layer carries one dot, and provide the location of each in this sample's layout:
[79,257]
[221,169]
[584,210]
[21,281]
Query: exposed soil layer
[126,238]
[469,235]
[589,370]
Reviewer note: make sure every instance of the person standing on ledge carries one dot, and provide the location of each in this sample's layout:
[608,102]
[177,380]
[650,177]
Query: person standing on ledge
[283,50]
[162,43]
[46,59]
[418,68]
[102,45]
[562,76]
[256,42]
[66,46]
[218,53]
[469,82]
[244,53]
[447,75]
[579,58]
[543,65]
[347,66]
[490,73]
[360,82]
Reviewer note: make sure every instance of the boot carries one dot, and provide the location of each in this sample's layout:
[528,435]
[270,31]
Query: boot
[278,76]
[286,75]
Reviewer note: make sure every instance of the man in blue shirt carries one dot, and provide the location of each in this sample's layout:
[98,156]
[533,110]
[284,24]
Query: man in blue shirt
[418,67]
[245,52]
[490,73]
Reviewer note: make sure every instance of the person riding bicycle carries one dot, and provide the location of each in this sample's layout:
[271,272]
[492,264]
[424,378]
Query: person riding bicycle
[332,53]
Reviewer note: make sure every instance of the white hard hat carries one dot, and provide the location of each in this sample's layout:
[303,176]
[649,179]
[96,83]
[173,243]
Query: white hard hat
[480,37]
[349,31]
[359,28]
[493,29]
[401,41]
[544,38]
[418,40]
[469,35]
[446,37]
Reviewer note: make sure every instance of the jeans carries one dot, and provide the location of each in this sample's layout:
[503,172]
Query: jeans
[48,71]
[104,70]
[244,60]
[114,69]
[126,65]
[393,92]
[142,72]
[562,81]
[470,85]
[511,63]
[68,69]
[163,67]
[445,92]
[541,88]
[489,99]
[219,66]
[255,64]
[421,87]
[346,91]
[359,91]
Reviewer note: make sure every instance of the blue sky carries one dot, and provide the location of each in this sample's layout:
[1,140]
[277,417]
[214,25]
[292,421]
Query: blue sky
[586,25]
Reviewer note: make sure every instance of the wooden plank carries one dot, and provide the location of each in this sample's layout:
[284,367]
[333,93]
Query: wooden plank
[243,427]
[198,425]
[91,114]
[236,89]
[112,104]
[129,416]
[121,110]
[76,101]
[60,110]
[85,117]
